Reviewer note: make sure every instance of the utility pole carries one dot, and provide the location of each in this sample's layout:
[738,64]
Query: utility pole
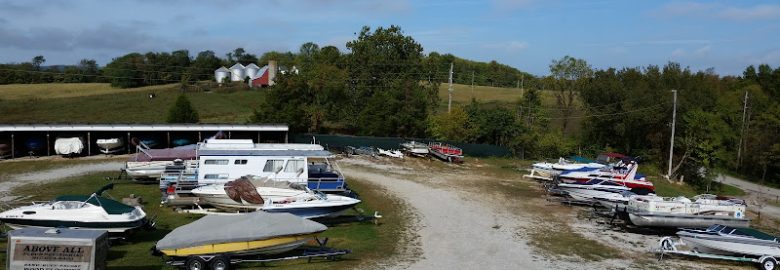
[671,145]
[742,133]
[472,84]
[522,81]
[449,104]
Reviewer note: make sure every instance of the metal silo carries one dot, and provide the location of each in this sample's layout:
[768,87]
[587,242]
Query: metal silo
[251,70]
[237,72]
[221,73]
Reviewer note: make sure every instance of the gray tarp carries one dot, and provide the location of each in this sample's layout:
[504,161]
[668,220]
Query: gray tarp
[215,229]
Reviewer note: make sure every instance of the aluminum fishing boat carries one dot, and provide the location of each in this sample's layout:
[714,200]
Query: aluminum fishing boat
[701,212]
[78,212]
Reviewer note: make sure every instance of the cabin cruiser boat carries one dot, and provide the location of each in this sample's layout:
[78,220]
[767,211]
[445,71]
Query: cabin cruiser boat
[415,148]
[701,212]
[78,212]
[256,233]
[251,193]
[726,240]
[585,192]
[110,145]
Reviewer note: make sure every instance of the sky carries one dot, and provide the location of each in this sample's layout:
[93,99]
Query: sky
[526,34]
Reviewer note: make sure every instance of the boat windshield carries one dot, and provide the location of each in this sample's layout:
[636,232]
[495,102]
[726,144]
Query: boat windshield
[66,205]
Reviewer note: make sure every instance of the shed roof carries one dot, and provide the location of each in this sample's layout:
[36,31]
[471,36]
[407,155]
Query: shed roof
[144,127]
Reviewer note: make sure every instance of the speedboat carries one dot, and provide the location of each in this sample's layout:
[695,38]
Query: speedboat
[732,241]
[110,145]
[249,193]
[415,148]
[624,175]
[256,233]
[390,153]
[78,212]
[701,212]
[585,192]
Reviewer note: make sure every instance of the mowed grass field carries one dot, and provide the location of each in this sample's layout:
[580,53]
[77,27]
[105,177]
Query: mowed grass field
[100,103]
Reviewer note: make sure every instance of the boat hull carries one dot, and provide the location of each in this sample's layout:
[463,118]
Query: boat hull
[112,227]
[729,246]
[647,219]
[271,246]
[108,146]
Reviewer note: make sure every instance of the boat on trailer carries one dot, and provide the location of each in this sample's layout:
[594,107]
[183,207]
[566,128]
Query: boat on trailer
[92,212]
[680,212]
[725,243]
[415,148]
[586,192]
[217,239]
[446,152]
[250,193]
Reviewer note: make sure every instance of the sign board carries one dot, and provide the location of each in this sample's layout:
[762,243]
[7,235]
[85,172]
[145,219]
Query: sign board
[70,250]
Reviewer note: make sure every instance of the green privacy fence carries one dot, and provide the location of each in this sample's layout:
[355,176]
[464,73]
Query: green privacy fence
[337,142]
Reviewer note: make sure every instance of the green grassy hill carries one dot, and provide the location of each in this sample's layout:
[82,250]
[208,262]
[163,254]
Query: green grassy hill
[100,103]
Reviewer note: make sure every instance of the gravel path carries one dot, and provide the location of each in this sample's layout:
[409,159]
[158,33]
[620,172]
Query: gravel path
[456,233]
[758,193]
[55,174]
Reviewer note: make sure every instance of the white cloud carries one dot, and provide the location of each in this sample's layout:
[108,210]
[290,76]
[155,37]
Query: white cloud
[765,12]
[679,52]
[719,11]
[702,51]
[510,46]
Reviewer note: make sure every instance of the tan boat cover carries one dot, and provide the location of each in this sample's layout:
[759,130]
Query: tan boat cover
[216,229]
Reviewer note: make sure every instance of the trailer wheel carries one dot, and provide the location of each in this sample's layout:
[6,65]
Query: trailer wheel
[768,263]
[220,263]
[196,263]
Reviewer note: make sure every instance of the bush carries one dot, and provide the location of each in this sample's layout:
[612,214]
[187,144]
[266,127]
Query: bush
[182,111]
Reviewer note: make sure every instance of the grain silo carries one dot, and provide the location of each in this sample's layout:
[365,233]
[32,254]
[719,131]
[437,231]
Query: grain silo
[237,72]
[221,73]
[251,70]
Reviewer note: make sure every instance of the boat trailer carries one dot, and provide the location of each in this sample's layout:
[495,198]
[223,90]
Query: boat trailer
[223,261]
[668,245]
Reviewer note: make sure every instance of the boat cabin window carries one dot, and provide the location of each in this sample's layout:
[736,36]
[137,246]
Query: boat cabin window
[216,176]
[272,165]
[216,162]
[293,166]
[240,162]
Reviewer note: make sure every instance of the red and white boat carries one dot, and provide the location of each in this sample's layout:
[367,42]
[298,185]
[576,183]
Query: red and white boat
[446,152]
[624,176]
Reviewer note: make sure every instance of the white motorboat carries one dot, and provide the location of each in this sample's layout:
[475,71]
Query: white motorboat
[416,148]
[391,153]
[250,194]
[585,192]
[701,212]
[614,201]
[725,240]
[548,170]
[110,145]
[79,212]
[624,175]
